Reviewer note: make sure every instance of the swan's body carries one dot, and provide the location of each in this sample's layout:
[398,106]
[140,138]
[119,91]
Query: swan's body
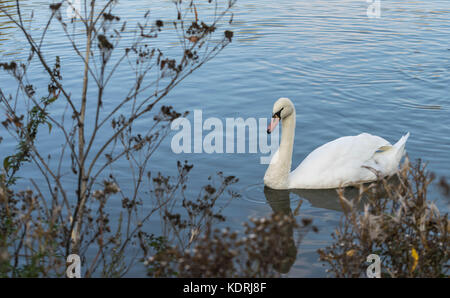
[345,161]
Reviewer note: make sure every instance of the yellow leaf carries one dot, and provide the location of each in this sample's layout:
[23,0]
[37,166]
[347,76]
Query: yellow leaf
[350,253]
[415,256]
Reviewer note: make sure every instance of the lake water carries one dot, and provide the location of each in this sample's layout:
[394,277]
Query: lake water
[346,73]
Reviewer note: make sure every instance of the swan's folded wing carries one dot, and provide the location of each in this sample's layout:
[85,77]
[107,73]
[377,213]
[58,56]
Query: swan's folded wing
[383,149]
[339,162]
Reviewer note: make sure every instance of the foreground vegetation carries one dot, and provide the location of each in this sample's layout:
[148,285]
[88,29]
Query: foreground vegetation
[40,227]
[399,224]
[66,210]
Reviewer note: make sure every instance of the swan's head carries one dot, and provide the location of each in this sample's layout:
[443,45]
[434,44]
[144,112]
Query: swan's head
[282,108]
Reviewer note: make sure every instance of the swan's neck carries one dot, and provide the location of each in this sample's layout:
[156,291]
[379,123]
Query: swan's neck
[277,174]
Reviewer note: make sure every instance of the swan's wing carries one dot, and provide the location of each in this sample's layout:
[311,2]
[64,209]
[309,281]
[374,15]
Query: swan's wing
[338,162]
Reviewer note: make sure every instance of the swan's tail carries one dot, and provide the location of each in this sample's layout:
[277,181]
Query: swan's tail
[387,158]
[400,147]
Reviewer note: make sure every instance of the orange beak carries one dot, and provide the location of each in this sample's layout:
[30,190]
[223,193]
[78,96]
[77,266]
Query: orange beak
[272,125]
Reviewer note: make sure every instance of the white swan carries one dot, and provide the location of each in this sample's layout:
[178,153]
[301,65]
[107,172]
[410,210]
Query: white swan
[345,161]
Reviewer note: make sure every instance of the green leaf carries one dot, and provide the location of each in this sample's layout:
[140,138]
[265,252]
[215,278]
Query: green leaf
[49,126]
[50,100]
[6,163]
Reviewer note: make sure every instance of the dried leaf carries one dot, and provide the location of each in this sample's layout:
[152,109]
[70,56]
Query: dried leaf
[193,39]
[415,256]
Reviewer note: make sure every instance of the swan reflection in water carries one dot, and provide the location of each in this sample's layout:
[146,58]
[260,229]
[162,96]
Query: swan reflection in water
[279,201]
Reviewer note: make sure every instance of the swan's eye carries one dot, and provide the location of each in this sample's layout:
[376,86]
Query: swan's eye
[277,114]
